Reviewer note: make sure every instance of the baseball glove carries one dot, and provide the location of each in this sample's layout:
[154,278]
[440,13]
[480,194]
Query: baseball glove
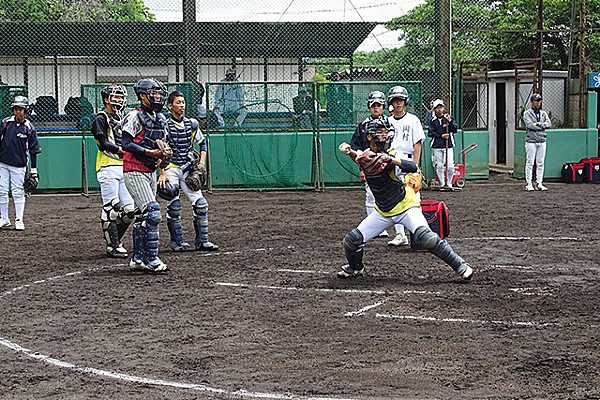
[167,152]
[193,180]
[30,183]
[414,180]
[372,163]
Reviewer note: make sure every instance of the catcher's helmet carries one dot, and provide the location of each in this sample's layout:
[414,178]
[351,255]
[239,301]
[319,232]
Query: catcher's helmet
[116,96]
[398,92]
[376,97]
[169,191]
[20,101]
[155,89]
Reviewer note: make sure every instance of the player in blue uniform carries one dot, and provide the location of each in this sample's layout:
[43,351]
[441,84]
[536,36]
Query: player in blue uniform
[18,147]
[183,133]
[117,205]
[395,203]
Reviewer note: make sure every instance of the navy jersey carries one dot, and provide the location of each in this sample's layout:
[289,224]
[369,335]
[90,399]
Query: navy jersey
[18,140]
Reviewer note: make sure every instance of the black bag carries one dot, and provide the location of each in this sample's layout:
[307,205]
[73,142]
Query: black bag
[591,170]
[436,214]
[573,172]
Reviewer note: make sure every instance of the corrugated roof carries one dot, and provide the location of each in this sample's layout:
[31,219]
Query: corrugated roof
[158,39]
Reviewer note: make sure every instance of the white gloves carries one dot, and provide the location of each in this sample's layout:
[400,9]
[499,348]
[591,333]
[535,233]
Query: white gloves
[344,148]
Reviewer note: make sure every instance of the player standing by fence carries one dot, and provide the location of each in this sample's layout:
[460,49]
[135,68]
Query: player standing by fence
[117,205]
[142,129]
[408,139]
[18,146]
[183,133]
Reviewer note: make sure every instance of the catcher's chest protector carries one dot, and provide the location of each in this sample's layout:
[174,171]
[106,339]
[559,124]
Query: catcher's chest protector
[436,214]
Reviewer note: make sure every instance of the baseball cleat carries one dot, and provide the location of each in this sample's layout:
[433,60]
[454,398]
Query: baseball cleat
[207,246]
[19,225]
[384,234]
[4,223]
[399,240]
[542,187]
[348,272]
[156,265]
[179,247]
[465,271]
[529,188]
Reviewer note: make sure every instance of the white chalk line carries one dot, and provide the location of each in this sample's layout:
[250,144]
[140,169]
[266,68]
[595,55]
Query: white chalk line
[157,382]
[364,309]
[462,320]
[226,253]
[132,378]
[519,238]
[326,290]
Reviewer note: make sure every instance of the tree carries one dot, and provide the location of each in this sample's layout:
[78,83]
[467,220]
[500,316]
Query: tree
[488,29]
[74,10]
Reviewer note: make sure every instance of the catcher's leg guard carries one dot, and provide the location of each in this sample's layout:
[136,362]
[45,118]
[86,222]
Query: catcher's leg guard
[428,239]
[110,213]
[174,225]
[201,226]
[139,258]
[354,249]
[125,218]
[152,219]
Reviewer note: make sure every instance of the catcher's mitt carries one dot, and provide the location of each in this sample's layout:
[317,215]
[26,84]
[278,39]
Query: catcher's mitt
[167,152]
[372,163]
[30,183]
[414,180]
[193,180]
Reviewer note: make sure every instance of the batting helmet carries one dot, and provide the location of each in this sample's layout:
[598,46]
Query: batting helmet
[155,89]
[376,97]
[398,92]
[168,191]
[20,101]
[536,97]
[116,96]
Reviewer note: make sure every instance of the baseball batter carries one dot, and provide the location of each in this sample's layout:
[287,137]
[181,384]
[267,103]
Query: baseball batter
[142,128]
[117,205]
[395,202]
[18,147]
[183,133]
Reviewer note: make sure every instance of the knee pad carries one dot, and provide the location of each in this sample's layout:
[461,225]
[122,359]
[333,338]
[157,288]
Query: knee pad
[200,206]
[127,214]
[153,216]
[353,241]
[174,209]
[426,238]
[110,210]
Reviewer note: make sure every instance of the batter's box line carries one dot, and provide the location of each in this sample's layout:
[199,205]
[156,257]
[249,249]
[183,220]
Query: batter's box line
[520,238]
[526,324]
[236,252]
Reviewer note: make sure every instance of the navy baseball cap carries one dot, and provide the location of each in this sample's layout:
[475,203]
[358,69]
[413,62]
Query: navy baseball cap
[536,97]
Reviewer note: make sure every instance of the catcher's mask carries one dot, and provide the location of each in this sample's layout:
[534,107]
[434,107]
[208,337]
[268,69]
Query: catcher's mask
[382,133]
[156,91]
[116,96]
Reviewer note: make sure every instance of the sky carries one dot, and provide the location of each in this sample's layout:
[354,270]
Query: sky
[295,11]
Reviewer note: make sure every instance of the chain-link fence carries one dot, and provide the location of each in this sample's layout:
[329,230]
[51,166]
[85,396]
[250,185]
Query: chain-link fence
[483,58]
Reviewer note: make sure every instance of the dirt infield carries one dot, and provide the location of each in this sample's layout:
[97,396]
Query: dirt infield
[266,317]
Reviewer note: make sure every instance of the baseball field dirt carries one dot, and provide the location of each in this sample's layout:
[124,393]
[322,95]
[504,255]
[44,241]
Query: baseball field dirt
[266,317]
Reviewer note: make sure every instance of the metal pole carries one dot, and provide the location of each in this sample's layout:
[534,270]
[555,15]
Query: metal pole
[537,86]
[445,64]
[582,77]
[190,65]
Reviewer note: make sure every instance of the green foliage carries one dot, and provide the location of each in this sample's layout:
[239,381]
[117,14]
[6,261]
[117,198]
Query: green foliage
[489,29]
[74,10]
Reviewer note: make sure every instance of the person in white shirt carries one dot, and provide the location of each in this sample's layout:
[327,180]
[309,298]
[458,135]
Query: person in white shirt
[407,142]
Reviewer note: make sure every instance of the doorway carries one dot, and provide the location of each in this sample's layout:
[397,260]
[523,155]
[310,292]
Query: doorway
[500,123]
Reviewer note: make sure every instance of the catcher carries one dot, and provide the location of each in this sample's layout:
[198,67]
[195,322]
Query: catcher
[395,203]
[142,140]
[186,171]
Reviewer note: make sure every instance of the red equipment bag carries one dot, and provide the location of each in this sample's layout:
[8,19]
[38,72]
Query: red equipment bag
[436,214]
[573,172]
[591,170]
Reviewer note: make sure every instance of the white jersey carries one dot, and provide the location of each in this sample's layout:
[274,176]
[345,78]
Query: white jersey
[407,132]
